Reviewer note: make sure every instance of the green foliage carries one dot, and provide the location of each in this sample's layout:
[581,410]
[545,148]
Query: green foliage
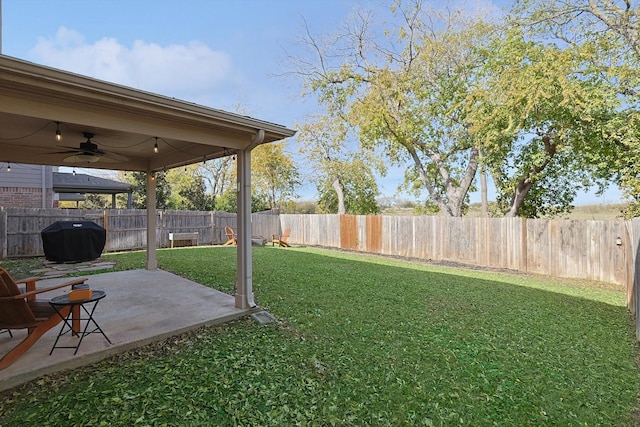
[96,201]
[541,120]
[195,197]
[344,177]
[303,207]
[273,174]
[228,202]
[359,189]
[138,180]
[362,341]
[219,175]
[605,34]
[427,208]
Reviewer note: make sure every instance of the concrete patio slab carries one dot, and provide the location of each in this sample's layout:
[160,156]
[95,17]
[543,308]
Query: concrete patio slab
[141,306]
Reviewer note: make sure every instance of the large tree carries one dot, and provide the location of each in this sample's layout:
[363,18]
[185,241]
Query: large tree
[609,32]
[189,189]
[541,117]
[274,174]
[219,175]
[401,90]
[344,177]
[138,181]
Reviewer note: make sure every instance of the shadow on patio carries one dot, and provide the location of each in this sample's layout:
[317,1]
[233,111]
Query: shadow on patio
[140,307]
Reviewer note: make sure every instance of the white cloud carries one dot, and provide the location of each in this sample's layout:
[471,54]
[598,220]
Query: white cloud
[183,71]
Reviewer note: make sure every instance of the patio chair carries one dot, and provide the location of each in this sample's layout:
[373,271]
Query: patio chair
[19,309]
[231,236]
[281,239]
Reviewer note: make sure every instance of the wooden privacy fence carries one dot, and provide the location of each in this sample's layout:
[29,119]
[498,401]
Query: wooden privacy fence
[563,248]
[126,228]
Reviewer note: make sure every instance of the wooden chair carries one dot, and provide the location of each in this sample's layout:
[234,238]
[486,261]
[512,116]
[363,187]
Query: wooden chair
[21,310]
[281,239]
[231,236]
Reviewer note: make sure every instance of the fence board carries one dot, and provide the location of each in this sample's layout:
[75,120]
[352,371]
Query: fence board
[373,234]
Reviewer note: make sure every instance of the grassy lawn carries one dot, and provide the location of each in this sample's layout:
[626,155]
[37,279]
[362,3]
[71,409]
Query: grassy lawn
[362,341]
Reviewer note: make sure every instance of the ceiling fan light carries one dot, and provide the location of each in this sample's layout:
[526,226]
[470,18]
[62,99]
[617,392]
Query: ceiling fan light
[81,158]
[58,133]
[89,158]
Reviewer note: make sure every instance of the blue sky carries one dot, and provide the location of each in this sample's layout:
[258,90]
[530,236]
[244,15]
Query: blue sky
[226,54]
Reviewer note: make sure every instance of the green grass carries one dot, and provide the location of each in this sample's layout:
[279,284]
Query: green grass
[363,341]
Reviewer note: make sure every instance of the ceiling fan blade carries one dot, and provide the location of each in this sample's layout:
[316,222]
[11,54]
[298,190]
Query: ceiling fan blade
[80,158]
[65,152]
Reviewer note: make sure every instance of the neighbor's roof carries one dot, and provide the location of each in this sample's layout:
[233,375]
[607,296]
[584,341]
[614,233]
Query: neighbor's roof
[81,183]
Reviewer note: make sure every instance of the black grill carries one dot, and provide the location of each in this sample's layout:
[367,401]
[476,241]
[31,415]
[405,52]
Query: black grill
[73,241]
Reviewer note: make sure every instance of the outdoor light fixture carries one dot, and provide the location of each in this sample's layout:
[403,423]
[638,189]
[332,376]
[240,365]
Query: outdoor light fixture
[89,158]
[155,146]
[74,171]
[8,167]
[58,133]
[619,241]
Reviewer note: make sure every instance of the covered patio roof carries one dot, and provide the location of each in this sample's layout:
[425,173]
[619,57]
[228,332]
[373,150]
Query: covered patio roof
[35,101]
[118,128]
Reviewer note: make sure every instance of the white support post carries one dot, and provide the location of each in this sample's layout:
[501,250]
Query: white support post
[151,262]
[244,284]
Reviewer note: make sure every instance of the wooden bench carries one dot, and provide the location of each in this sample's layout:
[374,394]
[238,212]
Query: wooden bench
[191,237]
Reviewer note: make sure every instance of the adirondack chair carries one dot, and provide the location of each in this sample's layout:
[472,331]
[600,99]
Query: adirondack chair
[231,236]
[19,309]
[281,239]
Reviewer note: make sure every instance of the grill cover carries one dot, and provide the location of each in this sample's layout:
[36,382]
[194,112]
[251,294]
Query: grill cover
[65,241]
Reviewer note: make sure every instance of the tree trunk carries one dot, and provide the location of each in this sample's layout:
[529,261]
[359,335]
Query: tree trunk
[452,206]
[522,189]
[525,184]
[338,189]
[483,192]
[457,193]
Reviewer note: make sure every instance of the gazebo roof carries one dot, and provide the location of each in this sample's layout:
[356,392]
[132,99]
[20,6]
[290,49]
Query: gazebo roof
[126,123]
[81,183]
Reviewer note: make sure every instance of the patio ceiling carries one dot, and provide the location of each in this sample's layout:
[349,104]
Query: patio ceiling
[125,122]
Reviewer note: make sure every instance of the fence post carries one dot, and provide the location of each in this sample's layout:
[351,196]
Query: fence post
[523,246]
[3,233]
[629,252]
[105,224]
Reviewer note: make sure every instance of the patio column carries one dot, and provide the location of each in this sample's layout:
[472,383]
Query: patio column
[151,262]
[244,284]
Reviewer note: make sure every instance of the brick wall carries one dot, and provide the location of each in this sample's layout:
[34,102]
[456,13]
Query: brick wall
[20,197]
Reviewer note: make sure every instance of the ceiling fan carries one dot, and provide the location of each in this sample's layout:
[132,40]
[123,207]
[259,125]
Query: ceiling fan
[88,152]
